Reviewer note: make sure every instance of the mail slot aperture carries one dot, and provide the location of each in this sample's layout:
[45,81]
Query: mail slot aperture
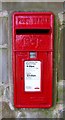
[32,31]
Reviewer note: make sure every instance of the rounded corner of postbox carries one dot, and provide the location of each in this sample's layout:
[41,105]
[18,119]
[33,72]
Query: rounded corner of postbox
[15,106]
[50,105]
[52,14]
[13,13]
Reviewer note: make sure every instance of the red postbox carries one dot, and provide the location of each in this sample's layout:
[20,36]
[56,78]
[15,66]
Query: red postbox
[33,59]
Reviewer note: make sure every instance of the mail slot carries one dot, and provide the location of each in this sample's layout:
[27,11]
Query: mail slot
[32,54]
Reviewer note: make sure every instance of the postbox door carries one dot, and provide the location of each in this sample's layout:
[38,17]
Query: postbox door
[34,94]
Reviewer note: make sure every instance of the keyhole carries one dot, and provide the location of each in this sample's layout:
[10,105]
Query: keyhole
[21,78]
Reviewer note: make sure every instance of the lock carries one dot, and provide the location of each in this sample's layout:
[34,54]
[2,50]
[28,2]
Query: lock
[32,54]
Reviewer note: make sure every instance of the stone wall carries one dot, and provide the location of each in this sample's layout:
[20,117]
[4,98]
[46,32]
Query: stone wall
[7,109]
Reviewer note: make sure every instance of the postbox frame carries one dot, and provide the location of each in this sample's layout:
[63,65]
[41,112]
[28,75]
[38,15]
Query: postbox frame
[14,51]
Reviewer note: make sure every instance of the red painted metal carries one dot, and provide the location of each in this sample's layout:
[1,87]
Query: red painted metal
[33,31]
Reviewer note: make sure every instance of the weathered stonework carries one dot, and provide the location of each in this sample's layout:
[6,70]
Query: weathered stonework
[6,88]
